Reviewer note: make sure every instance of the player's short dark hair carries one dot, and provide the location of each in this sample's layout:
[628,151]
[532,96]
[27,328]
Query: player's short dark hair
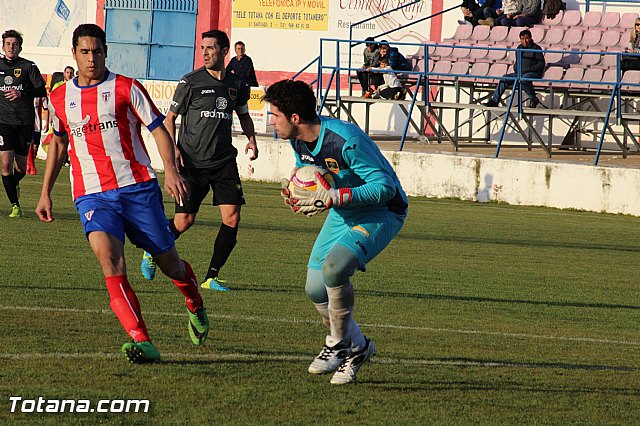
[69,67]
[525,33]
[89,30]
[220,36]
[293,97]
[241,43]
[371,41]
[12,33]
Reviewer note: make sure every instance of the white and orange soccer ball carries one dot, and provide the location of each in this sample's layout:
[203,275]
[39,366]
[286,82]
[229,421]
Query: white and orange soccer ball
[304,178]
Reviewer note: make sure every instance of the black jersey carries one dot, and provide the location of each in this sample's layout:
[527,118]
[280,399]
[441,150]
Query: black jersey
[18,74]
[206,105]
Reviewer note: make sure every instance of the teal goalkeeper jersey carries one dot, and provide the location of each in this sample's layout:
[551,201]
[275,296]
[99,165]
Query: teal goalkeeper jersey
[355,162]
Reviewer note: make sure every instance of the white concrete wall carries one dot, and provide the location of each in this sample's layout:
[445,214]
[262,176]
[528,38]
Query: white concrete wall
[477,178]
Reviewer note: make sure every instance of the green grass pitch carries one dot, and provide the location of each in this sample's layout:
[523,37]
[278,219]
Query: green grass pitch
[482,314]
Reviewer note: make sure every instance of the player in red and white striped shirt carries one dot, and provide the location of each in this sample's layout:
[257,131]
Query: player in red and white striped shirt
[97,118]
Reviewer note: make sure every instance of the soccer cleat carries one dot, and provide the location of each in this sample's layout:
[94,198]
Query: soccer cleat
[148,266]
[331,357]
[140,352]
[16,211]
[215,284]
[346,372]
[198,326]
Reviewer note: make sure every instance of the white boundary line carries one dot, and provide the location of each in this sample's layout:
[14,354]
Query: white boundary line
[314,322]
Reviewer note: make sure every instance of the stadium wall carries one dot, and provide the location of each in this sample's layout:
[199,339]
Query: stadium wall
[477,178]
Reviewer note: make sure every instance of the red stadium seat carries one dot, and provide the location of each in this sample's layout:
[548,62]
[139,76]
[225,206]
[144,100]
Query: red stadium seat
[481,33]
[480,53]
[591,19]
[498,34]
[463,32]
[552,73]
[610,20]
[609,38]
[631,76]
[571,18]
[627,20]
[553,37]
[551,23]
[572,37]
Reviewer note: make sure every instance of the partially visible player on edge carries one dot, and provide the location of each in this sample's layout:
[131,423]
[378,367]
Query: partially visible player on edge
[69,73]
[368,208]
[41,108]
[206,99]
[21,83]
[98,117]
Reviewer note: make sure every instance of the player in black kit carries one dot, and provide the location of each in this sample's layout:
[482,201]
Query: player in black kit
[206,99]
[20,82]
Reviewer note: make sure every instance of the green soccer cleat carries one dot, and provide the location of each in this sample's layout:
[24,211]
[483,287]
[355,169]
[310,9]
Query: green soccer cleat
[198,326]
[215,284]
[148,266]
[16,211]
[141,352]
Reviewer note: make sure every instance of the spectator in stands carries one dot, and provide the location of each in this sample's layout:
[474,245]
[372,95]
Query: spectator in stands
[397,61]
[392,87]
[509,8]
[371,60]
[527,14]
[632,62]
[475,12]
[531,65]
[242,65]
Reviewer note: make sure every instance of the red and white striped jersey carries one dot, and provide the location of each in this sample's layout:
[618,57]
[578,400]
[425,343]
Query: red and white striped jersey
[103,121]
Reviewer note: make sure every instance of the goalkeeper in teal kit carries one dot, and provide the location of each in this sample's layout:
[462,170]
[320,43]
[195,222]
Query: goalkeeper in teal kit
[367,209]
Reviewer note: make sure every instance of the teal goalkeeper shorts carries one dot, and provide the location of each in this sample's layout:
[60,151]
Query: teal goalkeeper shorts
[365,234]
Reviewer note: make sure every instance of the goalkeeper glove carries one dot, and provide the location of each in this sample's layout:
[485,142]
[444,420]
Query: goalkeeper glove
[323,198]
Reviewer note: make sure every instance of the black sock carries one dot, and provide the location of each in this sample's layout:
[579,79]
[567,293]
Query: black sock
[222,248]
[17,177]
[172,226]
[10,188]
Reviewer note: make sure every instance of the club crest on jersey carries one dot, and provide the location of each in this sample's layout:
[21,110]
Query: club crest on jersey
[89,215]
[221,103]
[17,72]
[8,80]
[332,165]
[106,96]
[233,93]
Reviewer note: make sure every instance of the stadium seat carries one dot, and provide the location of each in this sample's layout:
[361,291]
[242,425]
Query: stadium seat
[553,37]
[609,61]
[551,58]
[571,58]
[571,18]
[610,20]
[479,69]
[463,32]
[551,23]
[627,20]
[591,38]
[480,53]
[514,35]
[609,76]
[440,68]
[631,76]
[497,54]
[552,73]
[459,68]
[496,71]
[572,37]
[570,75]
[461,52]
[591,19]
[537,34]
[592,75]
[588,59]
[480,33]
[442,52]
[609,38]
[498,34]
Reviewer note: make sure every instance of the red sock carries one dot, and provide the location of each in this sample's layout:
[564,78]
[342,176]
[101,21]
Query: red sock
[188,286]
[125,305]
[31,165]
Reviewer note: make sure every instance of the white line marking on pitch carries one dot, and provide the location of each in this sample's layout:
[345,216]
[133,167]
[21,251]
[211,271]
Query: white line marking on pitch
[315,322]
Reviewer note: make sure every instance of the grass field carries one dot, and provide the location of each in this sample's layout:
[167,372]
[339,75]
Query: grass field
[482,314]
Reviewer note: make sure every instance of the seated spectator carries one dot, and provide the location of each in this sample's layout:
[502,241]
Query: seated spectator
[391,88]
[531,65]
[482,10]
[242,65]
[509,8]
[632,62]
[371,60]
[527,14]
[397,61]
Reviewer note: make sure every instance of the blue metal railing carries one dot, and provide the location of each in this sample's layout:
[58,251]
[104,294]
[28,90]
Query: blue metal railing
[424,77]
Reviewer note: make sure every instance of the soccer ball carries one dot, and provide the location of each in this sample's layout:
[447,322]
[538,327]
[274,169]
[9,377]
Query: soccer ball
[304,178]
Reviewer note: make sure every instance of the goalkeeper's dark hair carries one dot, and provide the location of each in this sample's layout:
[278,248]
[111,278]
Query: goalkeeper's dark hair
[12,33]
[293,97]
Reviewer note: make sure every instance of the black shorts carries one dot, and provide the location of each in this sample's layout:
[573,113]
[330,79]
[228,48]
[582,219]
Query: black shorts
[224,181]
[35,138]
[16,138]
